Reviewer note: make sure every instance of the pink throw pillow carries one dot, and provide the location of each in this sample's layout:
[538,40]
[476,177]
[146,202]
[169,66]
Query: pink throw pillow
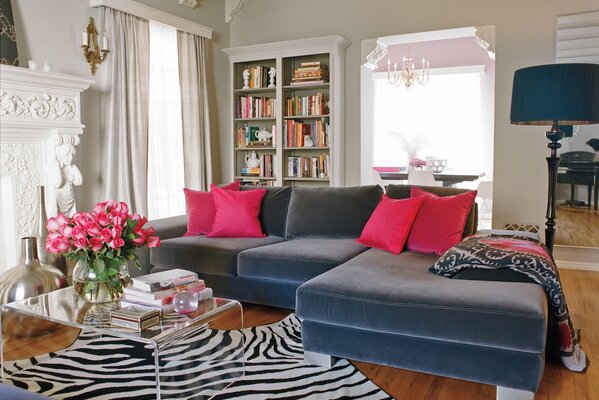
[237,213]
[390,223]
[440,222]
[201,210]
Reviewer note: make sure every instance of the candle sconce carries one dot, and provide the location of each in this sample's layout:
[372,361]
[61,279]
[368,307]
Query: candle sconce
[91,50]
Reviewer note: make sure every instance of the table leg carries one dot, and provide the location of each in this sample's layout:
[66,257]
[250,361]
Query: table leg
[156,369]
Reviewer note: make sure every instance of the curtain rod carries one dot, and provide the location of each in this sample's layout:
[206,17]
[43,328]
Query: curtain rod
[150,13]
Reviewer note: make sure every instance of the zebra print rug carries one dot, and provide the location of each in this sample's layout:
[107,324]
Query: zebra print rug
[110,368]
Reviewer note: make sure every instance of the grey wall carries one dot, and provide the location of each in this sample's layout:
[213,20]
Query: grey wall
[525,35]
[51,31]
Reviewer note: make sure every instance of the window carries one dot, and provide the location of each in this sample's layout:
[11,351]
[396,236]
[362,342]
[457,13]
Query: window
[442,119]
[165,155]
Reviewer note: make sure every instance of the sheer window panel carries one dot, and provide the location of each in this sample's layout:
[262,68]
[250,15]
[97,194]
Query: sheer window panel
[166,174]
[445,113]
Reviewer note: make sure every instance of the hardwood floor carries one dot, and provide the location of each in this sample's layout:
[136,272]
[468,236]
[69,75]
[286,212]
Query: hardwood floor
[577,226]
[581,289]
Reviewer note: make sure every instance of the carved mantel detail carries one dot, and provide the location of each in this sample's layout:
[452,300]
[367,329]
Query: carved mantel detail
[40,125]
[44,106]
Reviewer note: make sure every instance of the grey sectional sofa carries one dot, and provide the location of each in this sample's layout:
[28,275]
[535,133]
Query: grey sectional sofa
[367,304]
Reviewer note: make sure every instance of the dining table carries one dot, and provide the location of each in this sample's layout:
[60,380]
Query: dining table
[448,178]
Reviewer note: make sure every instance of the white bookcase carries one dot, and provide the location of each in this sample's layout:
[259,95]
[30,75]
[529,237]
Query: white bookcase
[286,57]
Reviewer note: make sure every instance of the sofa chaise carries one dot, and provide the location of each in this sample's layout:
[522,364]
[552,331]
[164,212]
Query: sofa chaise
[368,304]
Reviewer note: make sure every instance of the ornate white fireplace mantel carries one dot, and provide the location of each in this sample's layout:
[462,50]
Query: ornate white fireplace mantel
[40,124]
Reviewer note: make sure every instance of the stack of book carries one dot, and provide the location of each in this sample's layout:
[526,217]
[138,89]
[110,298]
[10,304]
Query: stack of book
[310,73]
[158,290]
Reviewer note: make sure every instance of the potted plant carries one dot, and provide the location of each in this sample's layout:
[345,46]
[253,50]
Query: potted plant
[101,242]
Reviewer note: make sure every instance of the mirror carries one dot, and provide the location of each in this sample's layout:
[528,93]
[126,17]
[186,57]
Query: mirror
[578,173]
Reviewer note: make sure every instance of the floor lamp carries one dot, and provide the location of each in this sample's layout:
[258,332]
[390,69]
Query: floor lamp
[555,94]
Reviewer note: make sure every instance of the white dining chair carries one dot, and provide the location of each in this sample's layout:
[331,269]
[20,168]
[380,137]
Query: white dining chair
[422,178]
[485,193]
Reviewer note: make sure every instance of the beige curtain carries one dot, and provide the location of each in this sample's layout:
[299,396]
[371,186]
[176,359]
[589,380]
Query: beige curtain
[124,111]
[194,111]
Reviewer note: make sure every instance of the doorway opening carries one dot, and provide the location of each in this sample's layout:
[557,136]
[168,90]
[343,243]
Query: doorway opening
[445,124]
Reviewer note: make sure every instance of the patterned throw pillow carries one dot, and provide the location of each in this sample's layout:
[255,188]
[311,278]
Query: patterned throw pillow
[492,252]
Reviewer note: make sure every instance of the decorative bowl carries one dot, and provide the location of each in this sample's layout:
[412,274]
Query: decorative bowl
[437,165]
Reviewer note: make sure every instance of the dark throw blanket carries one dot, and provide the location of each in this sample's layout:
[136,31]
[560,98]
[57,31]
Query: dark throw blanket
[531,258]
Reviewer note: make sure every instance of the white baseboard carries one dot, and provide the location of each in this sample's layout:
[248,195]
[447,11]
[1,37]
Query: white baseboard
[581,258]
[577,265]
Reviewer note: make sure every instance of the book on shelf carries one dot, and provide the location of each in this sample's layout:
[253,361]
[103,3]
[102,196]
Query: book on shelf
[247,171]
[295,133]
[246,137]
[162,294]
[162,301]
[307,83]
[316,104]
[134,317]
[257,183]
[258,77]
[247,107]
[264,170]
[164,280]
[308,167]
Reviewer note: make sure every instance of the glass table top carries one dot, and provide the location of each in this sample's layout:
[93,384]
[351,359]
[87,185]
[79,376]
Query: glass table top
[65,307]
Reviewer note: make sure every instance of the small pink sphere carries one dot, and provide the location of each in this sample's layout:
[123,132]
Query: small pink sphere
[185,303]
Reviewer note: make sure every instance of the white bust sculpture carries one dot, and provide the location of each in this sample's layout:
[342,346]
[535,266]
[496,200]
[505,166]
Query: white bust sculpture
[64,174]
[272,73]
[246,78]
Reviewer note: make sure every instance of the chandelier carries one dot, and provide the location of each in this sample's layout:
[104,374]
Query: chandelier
[408,75]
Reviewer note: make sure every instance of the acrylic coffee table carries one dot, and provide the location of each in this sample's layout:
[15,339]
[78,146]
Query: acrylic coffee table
[39,317]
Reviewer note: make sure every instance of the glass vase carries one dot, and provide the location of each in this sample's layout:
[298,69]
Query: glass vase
[98,281]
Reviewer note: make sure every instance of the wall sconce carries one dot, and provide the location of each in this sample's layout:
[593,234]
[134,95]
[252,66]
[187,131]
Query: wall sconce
[91,50]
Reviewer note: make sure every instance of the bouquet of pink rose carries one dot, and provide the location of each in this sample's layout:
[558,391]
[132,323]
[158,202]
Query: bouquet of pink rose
[102,240]
[417,163]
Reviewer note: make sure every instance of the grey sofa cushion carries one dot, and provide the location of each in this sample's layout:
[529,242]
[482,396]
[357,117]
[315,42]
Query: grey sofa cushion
[273,212]
[330,211]
[200,254]
[403,192]
[396,294]
[297,260]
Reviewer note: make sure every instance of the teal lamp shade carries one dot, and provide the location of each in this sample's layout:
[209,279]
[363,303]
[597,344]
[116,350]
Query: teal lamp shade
[566,93]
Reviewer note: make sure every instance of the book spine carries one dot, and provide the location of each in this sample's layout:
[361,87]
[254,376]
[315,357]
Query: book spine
[198,285]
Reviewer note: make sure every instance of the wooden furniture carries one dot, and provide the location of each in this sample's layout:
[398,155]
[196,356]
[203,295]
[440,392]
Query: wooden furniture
[285,58]
[578,168]
[448,178]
